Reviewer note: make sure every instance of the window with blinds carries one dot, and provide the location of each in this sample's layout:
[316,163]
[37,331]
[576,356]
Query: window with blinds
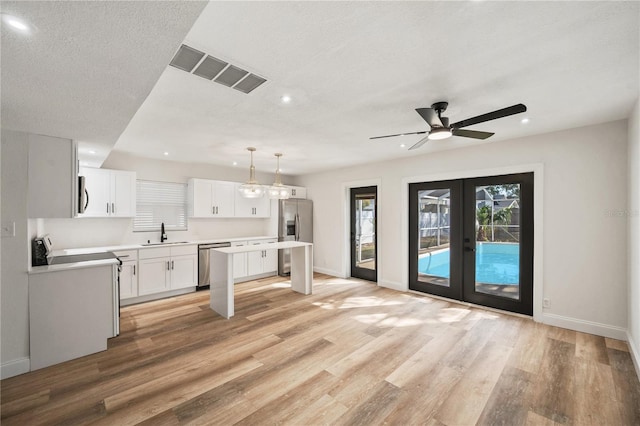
[158,202]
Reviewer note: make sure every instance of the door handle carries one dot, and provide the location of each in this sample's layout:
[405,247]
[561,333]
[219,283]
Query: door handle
[134,269]
[172,265]
[107,208]
[113,208]
[168,268]
[469,249]
[213,210]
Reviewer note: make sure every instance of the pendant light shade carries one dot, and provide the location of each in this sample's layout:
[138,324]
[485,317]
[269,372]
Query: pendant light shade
[278,191]
[251,188]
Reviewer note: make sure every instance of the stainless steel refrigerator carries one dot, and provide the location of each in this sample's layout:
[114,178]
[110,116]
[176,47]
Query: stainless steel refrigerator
[295,223]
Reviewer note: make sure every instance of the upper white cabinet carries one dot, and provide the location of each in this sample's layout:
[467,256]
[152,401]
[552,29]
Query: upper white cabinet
[53,177]
[211,198]
[297,191]
[251,207]
[111,193]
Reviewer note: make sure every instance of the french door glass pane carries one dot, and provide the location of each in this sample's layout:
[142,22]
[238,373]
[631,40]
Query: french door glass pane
[434,230]
[365,232]
[498,240]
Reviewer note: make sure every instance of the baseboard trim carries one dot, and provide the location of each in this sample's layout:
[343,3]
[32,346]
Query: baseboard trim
[14,367]
[585,326]
[328,272]
[392,285]
[635,353]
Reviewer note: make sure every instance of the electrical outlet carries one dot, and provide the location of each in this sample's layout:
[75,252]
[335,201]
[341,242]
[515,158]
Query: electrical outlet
[8,229]
[546,303]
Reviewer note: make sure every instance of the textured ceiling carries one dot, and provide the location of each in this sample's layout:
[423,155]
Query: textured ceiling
[353,69]
[88,66]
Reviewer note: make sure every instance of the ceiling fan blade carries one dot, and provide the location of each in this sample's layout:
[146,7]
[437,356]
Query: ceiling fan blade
[430,116]
[504,112]
[471,133]
[420,143]
[399,134]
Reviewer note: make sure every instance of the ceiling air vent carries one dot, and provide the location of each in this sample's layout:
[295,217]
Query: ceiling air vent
[186,58]
[210,67]
[231,76]
[206,66]
[249,83]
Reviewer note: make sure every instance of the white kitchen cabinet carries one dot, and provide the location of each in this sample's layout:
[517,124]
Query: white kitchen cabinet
[239,261]
[211,198]
[111,193]
[167,268]
[251,207]
[263,261]
[298,191]
[128,273]
[53,177]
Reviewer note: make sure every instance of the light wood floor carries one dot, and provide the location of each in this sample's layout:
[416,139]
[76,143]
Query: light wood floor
[351,353]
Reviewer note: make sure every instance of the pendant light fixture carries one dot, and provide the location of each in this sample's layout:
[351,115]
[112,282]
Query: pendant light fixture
[251,189]
[278,191]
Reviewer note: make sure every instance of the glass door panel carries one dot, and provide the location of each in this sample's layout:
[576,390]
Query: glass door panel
[434,228]
[498,240]
[363,233]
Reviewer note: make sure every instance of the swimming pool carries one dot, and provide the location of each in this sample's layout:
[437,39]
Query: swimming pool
[496,263]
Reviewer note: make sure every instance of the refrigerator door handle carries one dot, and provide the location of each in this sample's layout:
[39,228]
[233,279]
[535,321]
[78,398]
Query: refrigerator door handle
[297,227]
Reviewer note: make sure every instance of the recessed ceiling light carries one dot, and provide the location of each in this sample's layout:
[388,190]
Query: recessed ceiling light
[166,153]
[524,120]
[92,151]
[16,23]
[235,163]
[286,99]
[402,145]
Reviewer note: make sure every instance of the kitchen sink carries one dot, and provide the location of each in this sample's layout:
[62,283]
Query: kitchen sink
[165,243]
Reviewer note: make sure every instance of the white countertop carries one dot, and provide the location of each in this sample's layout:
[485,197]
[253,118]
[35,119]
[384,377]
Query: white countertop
[87,250]
[68,266]
[259,247]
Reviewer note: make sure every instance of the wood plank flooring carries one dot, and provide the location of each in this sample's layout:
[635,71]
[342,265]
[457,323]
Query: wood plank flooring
[350,354]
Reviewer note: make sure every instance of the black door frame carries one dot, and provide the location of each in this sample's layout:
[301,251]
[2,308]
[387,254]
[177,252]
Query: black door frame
[356,272]
[462,276]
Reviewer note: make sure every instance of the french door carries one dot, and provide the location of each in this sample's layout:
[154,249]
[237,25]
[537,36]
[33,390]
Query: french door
[472,240]
[364,257]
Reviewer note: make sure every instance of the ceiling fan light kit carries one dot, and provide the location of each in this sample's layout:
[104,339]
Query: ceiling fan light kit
[251,188]
[440,128]
[278,191]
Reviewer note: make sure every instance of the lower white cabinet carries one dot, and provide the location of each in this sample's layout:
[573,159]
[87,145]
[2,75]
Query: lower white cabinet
[128,273]
[239,261]
[263,261]
[167,268]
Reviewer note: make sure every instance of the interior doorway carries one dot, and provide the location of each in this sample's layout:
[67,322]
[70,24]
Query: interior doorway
[364,252]
[472,240]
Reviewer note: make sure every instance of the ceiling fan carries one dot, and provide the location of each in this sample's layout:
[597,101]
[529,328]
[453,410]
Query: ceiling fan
[440,128]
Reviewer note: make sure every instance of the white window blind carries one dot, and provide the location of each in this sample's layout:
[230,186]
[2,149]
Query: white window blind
[158,202]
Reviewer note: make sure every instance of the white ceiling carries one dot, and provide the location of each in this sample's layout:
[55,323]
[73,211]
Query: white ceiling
[353,69]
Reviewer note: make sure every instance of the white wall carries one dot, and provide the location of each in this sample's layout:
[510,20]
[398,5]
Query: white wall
[633,214]
[584,239]
[14,353]
[92,232]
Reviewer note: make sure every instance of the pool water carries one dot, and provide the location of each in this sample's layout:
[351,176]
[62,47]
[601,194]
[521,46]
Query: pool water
[496,263]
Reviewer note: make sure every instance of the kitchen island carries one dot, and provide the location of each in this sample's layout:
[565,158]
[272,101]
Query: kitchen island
[221,288]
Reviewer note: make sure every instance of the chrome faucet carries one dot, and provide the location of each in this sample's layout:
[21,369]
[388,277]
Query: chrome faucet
[163,235]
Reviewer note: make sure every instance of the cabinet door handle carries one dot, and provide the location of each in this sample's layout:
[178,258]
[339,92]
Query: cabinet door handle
[107,208]
[168,266]
[213,210]
[113,208]
[172,265]
[134,269]
[216,209]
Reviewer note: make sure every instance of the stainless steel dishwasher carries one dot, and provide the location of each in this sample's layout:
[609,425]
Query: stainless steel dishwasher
[204,263]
